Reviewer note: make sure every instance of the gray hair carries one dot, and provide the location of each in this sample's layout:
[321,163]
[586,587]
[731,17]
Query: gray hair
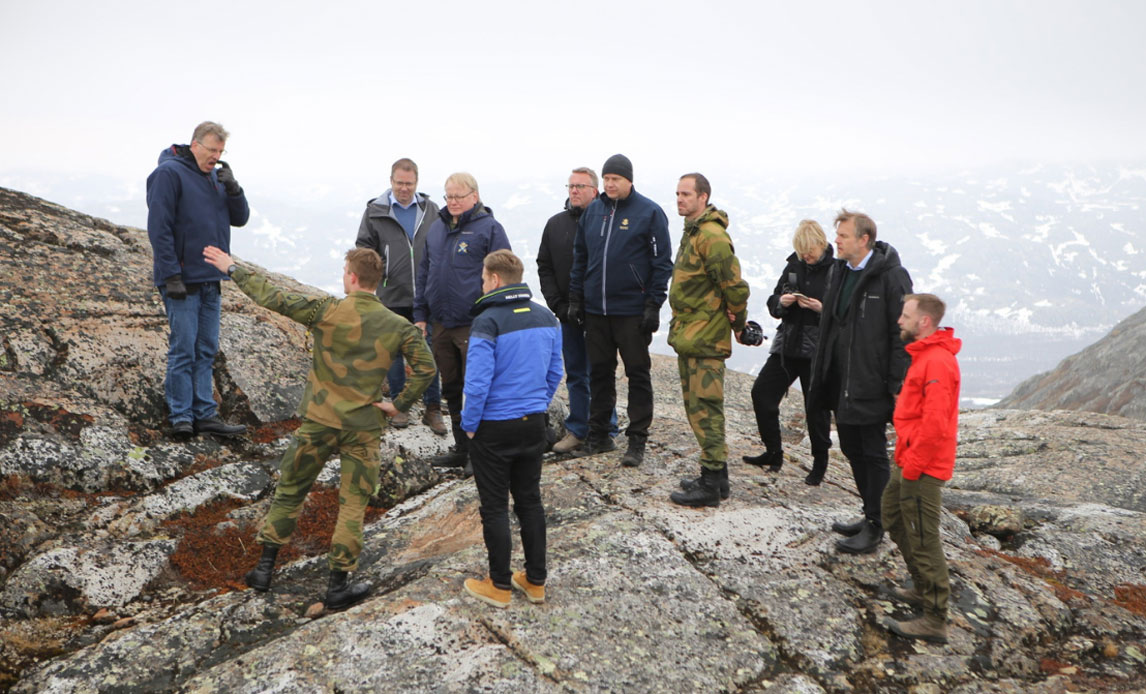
[209,128]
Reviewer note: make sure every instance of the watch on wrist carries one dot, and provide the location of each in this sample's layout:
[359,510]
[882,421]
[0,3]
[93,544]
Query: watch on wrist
[231,268]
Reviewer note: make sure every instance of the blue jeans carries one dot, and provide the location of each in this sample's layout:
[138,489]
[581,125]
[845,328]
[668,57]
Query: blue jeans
[397,378]
[577,381]
[191,348]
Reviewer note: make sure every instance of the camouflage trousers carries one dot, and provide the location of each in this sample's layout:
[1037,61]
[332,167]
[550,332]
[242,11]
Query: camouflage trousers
[702,383]
[313,444]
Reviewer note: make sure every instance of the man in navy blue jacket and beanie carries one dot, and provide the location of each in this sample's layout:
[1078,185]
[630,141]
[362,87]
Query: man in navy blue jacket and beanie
[192,205]
[514,367]
[621,268]
[448,283]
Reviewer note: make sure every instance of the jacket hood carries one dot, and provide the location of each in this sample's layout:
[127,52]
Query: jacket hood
[476,212]
[943,338]
[825,259]
[180,153]
[383,201]
[710,214]
[509,294]
[884,258]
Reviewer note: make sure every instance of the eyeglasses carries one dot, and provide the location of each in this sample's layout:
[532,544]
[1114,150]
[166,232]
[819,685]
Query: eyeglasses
[578,186]
[213,150]
[456,198]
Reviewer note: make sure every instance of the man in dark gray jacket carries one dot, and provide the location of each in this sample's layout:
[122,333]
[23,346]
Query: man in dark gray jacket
[395,225]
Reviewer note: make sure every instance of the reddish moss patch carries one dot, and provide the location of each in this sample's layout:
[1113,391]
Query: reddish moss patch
[1039,566]
[274,430]
[1132,597]
[214,556]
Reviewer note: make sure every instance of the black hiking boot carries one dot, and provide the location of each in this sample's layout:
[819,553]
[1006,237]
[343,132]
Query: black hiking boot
[598,444]
[819,469]
[705,493]
[217,427]
[689,483]
[341,593]
[635,454]
[451,458]
[772,460]
[865,541]
[259,577]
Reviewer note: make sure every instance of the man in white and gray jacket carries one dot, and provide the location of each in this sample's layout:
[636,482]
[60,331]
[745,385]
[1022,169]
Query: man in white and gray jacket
[395,225]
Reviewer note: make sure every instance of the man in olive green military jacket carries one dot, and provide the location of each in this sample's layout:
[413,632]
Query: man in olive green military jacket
[706,293]
[355,341]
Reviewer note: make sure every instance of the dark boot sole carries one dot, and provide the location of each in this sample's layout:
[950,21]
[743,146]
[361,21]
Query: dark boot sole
[894,628]
[847,549]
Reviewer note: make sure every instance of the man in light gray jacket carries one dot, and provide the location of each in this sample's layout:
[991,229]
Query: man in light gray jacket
[395,225]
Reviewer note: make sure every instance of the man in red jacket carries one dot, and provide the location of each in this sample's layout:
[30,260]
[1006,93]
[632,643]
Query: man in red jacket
[926,427]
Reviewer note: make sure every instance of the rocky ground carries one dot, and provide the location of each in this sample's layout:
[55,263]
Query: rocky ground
[121,552]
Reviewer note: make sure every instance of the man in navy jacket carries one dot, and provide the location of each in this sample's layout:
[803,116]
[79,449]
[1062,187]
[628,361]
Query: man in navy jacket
[448,284]
[621,269]
[514,367]
[192,205]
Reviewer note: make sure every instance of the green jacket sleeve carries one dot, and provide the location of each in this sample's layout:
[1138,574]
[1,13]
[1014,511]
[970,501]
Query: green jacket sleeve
[723,269]
[300,308]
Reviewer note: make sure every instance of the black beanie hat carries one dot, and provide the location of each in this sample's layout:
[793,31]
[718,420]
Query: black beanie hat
[619,165]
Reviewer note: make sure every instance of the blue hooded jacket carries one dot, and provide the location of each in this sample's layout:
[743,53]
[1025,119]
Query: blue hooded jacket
[513,363]
[449,276]
[622,256]
[188,210]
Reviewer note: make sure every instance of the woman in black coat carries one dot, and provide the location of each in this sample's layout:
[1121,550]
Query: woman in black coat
[796,302]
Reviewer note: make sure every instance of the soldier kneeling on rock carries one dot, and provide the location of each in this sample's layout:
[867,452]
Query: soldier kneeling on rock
[355,341]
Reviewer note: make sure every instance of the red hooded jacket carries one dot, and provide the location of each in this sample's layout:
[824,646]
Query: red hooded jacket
[927,410]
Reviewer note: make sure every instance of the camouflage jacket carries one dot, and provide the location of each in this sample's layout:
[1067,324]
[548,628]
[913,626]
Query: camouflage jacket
[706,284]
[355,340]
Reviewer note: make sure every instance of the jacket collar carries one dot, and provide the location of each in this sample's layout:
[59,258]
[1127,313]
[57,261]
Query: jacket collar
[476,212]
[509,294]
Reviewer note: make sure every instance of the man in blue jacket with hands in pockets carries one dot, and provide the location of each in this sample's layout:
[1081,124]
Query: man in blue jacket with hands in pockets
[513,367]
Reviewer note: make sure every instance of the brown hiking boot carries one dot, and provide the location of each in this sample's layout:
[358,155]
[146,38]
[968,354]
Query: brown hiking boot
[432,418]
[909,596]
[488,593]
[533,593]
[924,628]
[400,420]
[568,443]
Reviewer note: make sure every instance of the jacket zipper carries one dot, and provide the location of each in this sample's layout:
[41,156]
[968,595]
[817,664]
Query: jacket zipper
[608,234]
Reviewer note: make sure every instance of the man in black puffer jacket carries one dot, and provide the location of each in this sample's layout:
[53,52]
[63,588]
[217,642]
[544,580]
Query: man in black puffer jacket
[860,363]
[796,301]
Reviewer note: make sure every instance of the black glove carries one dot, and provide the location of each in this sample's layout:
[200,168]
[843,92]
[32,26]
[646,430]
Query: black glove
[175,288]
[576,310]
[651,320]
[227,179]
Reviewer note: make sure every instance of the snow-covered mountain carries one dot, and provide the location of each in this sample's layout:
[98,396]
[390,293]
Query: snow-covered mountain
[1034,263]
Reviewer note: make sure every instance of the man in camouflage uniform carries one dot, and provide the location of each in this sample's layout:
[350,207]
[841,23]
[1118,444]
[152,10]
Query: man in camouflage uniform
[709,302]
[355,341]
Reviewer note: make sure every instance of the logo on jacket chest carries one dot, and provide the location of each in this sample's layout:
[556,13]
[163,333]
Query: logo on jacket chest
[624,224]
[463,247]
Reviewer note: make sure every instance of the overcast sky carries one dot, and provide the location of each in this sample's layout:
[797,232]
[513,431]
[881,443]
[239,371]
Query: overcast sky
[316,97]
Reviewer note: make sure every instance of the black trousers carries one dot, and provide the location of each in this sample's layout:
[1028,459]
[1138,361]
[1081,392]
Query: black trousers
[865,446]
[605,336]
[506,455]
[770,387]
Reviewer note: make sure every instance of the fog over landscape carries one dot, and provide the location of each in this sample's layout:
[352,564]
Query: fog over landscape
[997,145]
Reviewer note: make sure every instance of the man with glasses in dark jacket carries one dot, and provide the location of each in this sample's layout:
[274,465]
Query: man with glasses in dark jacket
[192,205]
[449,282]
[619,280]
[554,262]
